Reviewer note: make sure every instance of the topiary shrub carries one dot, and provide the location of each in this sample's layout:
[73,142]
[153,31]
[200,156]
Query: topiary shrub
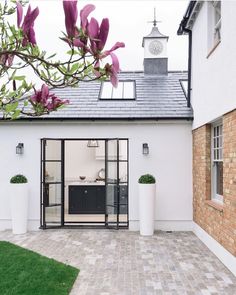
[18,179]
[146,179]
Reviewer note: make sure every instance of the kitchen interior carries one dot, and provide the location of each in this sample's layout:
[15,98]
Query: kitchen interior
[85,196]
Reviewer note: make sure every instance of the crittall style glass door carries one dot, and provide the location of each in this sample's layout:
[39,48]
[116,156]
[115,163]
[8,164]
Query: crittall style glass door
[116,183]
[55,195]
[52,186]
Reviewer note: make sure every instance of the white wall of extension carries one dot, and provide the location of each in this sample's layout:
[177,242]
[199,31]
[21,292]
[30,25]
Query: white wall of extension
[213,85]
[170,160]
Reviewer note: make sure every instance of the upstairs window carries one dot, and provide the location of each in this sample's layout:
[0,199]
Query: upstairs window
[214,24]
[124,91]
[217,162]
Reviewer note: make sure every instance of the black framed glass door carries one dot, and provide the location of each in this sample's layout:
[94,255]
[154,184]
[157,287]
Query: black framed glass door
[55,184]
[52,183]
[116,162]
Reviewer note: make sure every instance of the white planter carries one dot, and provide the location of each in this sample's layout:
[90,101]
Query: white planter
[19,207]
[147,193]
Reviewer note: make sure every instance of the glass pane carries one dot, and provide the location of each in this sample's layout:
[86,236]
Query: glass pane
[123,194]
[112,172]
[219,178]
[123,216]
[220,155]
[52,194]
[106,90]
[53,215]
[220,141]
[52,172]
[214,154]
[118,92]
[53,150]
[123,149]
[111,197]
[111,205]
[112,218]
[123,171]
[129,90]
[112,150]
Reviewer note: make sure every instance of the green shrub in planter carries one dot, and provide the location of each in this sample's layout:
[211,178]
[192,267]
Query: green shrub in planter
[18,179]
[146,179]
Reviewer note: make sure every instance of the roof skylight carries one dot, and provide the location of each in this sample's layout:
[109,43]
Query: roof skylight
[125,90]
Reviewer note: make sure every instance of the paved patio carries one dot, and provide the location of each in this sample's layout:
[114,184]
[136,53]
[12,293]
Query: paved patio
[124,263]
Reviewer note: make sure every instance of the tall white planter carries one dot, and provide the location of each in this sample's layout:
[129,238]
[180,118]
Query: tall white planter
[19,207]
[147,193]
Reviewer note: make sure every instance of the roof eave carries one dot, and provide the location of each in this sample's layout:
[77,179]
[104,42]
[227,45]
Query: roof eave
[177,118]
[189,17]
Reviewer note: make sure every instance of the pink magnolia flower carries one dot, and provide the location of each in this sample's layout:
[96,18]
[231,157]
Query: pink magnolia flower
[84,13]
[81,39]
[114,47]
[28,23]
[48,101]
[113,70]
[71,15]
[6,59]
[98,35]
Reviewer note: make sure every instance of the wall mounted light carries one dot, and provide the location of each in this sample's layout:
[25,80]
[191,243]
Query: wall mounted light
[20,148]
[92,143]
[145,149]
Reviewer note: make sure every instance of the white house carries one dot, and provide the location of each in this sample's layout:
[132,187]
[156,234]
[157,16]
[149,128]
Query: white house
[211,27]
[146,121]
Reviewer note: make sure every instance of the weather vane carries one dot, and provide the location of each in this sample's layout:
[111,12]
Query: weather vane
[155,19]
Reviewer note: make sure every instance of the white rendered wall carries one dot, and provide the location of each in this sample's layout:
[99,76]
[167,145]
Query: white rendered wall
[170,160]
[213,78]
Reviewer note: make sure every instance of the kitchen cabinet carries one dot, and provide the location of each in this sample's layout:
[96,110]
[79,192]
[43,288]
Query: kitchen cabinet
[86,199]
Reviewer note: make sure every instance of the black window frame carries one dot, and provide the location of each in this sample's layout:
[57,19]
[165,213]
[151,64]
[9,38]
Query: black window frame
[118,99]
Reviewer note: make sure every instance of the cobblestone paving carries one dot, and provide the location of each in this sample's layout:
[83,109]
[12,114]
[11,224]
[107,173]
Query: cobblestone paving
[124,263]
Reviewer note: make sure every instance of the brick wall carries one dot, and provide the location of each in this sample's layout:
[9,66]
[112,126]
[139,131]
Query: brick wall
[218,221]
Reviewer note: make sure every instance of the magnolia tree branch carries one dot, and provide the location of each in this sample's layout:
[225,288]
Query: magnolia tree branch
[86,59]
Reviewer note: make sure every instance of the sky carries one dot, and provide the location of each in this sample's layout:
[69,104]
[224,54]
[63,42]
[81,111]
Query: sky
[128,23]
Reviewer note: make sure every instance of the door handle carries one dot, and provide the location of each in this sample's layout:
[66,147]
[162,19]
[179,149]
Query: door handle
[85,191]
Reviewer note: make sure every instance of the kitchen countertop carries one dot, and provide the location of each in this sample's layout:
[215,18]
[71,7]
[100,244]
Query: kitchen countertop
[87,183]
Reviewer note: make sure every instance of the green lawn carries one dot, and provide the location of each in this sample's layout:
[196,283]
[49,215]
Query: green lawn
[24,272]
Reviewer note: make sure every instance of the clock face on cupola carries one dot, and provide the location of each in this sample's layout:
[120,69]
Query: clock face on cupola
[155,51]
[155,47]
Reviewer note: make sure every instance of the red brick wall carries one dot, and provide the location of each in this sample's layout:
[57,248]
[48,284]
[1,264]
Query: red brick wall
[218,221]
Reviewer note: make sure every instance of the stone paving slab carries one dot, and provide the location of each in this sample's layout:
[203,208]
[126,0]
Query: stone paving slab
[124,263]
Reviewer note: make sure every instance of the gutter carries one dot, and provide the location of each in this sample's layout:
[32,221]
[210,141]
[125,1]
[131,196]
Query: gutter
[188,118]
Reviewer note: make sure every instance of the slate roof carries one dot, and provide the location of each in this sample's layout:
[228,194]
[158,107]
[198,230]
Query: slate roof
[157,97]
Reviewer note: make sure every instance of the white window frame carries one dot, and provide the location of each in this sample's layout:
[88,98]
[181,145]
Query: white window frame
[216,156]
[214,25]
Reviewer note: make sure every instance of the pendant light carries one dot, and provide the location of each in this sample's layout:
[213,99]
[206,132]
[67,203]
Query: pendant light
[93,143]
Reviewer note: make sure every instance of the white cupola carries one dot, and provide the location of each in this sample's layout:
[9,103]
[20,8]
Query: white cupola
[155,52]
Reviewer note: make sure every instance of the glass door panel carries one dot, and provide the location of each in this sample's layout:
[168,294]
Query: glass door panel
[52,183]
[52,171]
[112,182]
